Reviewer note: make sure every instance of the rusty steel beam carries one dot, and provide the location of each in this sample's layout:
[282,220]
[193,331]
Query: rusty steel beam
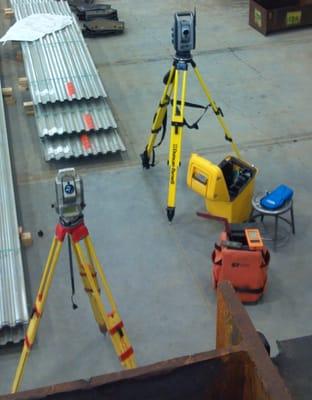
[239,369]
[234,328]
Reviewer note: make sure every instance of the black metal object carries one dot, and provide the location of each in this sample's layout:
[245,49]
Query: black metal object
[89,12]
[294,365]
[100,27]
[74,4]
[265,342]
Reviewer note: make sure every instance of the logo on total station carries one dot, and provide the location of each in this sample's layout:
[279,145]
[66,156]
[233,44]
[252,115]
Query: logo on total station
[173,167]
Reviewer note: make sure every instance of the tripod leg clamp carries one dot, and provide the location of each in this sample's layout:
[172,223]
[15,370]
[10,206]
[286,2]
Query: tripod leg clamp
[146,160]
[77,233]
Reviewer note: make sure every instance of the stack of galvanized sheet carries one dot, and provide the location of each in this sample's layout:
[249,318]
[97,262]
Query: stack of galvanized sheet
[13,305]
[71,109]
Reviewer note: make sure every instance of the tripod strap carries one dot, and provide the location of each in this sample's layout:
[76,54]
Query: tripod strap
[71,271]
[193,105]
[163,134]
[190,126]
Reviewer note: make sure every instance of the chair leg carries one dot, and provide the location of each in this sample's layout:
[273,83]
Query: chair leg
[262,217]
[252,215]
[275,231]
[292,219]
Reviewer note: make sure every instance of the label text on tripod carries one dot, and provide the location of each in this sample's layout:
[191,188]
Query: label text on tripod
[173,166]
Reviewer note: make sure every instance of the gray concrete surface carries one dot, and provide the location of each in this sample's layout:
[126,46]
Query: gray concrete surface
[159,273]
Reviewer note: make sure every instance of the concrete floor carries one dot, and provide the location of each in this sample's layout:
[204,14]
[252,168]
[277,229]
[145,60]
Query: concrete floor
[159,273]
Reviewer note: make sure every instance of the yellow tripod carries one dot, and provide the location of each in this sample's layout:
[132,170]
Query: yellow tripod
[175,82]
[89,268]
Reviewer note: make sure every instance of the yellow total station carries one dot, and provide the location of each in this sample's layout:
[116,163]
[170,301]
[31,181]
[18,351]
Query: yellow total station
[175,94]
[227,188]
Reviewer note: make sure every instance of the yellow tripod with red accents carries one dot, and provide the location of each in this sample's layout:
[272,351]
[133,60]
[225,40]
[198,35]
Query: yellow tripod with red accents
[175,87]
[90,269]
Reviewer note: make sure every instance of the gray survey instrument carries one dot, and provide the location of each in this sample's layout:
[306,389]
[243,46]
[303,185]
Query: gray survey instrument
[183,32]
[69,194]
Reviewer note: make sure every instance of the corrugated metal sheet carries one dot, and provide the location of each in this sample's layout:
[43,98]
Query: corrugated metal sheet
[13,334]
[54,66]
[13,305]
[67,146]
[59,66]
[74,117]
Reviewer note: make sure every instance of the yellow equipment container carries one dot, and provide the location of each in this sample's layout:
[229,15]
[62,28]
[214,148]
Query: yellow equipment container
[227,188]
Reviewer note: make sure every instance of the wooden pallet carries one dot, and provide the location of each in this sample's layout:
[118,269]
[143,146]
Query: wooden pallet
[29,107]
[23,83]
[8,97]
[8,12]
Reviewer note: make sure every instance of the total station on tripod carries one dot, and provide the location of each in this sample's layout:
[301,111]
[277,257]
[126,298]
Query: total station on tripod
[69,206]
[174,93]
[69,195]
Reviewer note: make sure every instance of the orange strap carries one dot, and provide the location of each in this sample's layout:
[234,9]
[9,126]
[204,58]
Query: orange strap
[116,328]
[126,354]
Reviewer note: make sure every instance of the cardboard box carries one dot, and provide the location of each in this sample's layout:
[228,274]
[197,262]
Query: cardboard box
[305,2]
[268,16]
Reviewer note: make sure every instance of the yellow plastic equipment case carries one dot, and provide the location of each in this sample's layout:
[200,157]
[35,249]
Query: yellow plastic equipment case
[227,188]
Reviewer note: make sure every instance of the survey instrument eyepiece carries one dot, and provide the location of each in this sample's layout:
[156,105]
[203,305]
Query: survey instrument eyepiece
[69,194]
[184,32]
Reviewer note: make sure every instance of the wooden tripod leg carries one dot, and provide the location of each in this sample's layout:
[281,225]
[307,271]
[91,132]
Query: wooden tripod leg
[88,289]
[34,322]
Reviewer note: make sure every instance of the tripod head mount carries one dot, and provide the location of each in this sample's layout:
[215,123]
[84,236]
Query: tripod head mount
[69,196]
[183,34]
